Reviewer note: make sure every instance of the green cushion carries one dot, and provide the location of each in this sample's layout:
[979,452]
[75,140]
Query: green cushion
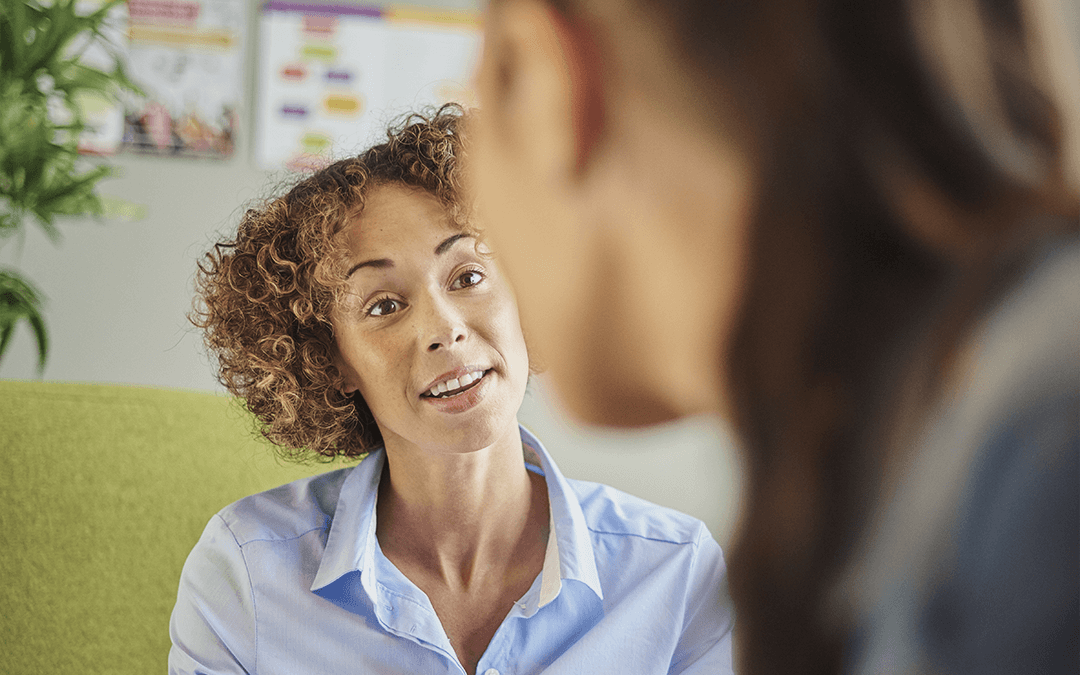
[104,491]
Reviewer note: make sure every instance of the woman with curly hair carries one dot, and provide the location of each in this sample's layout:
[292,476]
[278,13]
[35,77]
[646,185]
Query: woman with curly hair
[361,315]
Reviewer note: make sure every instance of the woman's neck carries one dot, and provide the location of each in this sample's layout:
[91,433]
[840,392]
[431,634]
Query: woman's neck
[459,518]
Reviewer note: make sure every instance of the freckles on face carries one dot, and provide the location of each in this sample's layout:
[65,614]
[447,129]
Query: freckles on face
[426,307]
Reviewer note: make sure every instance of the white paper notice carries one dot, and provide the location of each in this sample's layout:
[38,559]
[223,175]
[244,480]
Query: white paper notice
[188,56]
[331,78]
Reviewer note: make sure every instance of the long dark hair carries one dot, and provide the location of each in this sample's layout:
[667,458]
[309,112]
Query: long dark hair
[886,220]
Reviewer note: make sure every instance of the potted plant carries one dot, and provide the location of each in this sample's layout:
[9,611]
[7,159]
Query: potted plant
[43,79]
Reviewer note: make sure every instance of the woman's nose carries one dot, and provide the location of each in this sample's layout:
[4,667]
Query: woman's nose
[450,338]
[444,327]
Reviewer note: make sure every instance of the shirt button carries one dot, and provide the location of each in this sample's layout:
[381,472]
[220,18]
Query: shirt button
[491,671]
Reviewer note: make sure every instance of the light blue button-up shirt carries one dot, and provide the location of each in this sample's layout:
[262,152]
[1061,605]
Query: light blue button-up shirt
[292,581]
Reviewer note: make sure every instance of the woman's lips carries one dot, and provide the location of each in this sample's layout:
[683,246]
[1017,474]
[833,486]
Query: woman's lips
[455,382]
[461,400]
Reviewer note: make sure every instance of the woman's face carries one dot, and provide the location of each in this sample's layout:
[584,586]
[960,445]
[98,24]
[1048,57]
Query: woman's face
[429,331]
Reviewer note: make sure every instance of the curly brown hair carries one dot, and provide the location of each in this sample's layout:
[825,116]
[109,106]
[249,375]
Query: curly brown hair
[265,296]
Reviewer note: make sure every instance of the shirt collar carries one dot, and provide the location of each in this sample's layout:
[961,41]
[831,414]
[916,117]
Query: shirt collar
[569,541]
[351,544]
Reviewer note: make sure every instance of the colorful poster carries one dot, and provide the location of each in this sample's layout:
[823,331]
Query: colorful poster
[331,77]
[188,57]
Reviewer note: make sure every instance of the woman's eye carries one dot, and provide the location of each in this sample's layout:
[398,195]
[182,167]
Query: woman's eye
[384,307]
[467,279]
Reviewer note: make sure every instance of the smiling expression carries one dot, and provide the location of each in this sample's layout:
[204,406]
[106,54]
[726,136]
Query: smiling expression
[428,332]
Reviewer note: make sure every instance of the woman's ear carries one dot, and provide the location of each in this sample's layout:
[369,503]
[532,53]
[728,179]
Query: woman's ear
[542,87]
[346,385]
[347,381]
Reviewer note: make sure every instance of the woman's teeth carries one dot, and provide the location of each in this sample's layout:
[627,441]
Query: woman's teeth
[451,387]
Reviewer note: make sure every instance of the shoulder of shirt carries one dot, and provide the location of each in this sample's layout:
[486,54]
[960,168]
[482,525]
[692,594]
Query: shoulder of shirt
[609,511]
[287,511]
[1027,346]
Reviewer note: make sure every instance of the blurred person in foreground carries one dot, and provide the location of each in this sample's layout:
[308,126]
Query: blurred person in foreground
[361,316]
[850,229]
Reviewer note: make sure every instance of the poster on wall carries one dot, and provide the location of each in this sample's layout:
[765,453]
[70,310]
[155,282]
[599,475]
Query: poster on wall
[187,55]
[331,77]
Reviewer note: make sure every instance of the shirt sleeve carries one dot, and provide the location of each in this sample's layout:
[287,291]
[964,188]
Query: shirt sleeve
[704,648]
[213,623]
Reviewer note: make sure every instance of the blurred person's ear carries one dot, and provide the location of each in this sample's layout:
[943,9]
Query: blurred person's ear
[585,72]
[544,71]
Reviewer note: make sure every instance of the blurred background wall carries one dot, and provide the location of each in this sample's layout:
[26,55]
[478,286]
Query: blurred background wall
[118,291]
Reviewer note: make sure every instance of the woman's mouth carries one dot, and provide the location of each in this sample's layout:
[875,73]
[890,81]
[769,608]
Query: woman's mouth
[456,386]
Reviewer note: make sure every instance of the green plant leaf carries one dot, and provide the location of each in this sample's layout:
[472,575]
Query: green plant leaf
[42,176]
[13,25]
[21,301]
[41,336]
[121,78]
[6,331]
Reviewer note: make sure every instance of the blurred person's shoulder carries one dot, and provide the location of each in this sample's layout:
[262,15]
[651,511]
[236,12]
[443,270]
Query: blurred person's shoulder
[1029,344]
[973,566]
[1017,395]
[1022,355]
[987,608]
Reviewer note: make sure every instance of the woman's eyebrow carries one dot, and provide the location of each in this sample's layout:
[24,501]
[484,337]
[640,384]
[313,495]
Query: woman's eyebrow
[380,263]
[450,241]
[383,263]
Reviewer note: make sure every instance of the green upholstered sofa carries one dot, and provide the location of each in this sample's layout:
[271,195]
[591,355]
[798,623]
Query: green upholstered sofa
[103,491]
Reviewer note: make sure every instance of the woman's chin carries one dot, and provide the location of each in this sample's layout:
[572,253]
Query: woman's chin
[460,434]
